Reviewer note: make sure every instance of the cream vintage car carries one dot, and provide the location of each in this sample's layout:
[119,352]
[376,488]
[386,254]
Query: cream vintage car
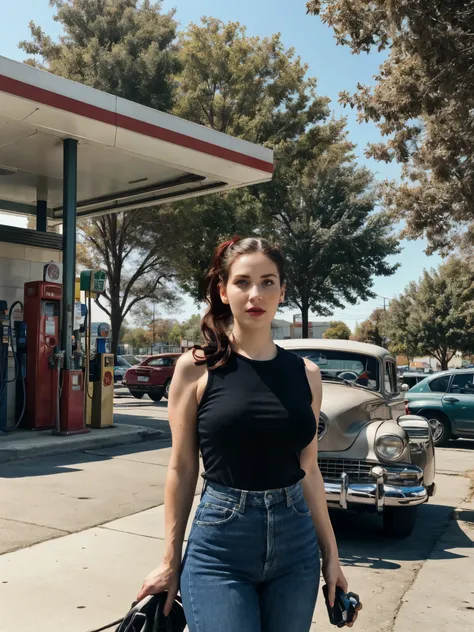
[373,457]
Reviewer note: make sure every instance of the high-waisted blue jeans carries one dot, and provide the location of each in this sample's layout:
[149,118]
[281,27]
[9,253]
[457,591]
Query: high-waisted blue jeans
[252,562]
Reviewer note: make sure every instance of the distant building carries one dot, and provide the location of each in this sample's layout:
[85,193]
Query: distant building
[283,329]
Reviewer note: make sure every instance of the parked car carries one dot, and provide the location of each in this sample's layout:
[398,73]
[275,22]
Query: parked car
[372,456]
[409,379]
[446,400]
[131,359]
[120,368]
[152,376]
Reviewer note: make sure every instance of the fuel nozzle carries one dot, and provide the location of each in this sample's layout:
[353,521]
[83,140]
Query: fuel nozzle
[56,361]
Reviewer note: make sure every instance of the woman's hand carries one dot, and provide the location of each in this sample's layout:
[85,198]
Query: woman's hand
[333,576]
[165,578]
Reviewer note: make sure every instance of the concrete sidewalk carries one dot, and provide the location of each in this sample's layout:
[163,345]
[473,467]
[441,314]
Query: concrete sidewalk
[85,580]
[93,527]
[26,444]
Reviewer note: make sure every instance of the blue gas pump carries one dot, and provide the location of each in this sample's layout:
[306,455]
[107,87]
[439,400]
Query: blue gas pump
[4,340]
[20,354]
[14,336]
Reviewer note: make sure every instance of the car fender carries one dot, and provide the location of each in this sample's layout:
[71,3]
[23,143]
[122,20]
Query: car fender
[423,407]
[361,448]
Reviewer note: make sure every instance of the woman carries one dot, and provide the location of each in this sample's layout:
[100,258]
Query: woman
[252,560]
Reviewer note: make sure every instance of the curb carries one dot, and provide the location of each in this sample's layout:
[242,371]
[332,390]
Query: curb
[81,443]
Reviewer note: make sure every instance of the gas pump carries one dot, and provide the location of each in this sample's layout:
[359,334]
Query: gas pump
[100,367]
[4,337]
[41,314]
[13,336]
[102,378]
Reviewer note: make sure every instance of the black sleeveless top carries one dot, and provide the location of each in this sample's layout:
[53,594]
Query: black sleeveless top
[254,419]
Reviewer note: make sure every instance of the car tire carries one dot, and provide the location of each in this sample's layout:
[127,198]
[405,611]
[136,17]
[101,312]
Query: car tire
[167,389]
[399,522]
[440,428]
[156,397]
[136,394]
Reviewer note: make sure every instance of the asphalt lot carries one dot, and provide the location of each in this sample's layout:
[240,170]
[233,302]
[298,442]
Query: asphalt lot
[71,498]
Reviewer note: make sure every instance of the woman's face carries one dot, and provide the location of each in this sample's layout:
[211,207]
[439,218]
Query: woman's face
[253,290]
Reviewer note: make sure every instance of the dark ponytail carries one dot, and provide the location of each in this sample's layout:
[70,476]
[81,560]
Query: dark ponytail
[218,318]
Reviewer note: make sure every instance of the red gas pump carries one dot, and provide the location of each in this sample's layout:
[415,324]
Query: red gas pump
[41,314]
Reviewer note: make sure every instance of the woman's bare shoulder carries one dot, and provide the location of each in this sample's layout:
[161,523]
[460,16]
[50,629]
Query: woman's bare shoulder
[186,367]
[313,374]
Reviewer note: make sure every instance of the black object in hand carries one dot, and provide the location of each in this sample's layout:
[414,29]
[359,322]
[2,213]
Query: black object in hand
[344,609]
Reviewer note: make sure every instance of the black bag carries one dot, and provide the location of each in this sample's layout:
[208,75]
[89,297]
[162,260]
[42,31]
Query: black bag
[147,616]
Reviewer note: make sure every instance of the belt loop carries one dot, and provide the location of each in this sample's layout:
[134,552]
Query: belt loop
[204,487]
[243,500]
[288,497]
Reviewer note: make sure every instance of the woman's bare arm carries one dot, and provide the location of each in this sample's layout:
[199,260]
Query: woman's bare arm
[183,468]
[315,495]
[182,475]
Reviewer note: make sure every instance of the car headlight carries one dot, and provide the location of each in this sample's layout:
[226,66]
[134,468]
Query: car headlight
[390,447]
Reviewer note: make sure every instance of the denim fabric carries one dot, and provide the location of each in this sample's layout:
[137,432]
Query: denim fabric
[252,562]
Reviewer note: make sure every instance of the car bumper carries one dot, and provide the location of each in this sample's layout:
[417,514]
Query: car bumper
[342,493]
[145,388]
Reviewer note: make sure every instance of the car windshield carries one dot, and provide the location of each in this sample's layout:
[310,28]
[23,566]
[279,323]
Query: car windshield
[344,365]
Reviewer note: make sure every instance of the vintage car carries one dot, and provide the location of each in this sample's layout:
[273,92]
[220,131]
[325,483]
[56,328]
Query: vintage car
[372,456]
[446,400]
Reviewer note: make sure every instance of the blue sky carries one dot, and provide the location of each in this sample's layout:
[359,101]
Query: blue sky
[335,68]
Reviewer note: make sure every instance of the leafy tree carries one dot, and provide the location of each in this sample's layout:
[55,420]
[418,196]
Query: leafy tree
[249,87]
[338,330]
[138,337]
[372,330]
[422,101]
[137,261]
[323,216]
[176,334]
[436,315]
[403,340]
[191,329]
[126,48]
[319,205]
[161,328]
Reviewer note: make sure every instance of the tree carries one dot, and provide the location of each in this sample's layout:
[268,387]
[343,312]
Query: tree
[176,335]
[422,102]
[322,211]
[161,329]
[126,48]
[249,87]
[338,330]
[137,262]
[191,329]
[319,205]
[403,340]
[436,315]
[373,330]
[138,337]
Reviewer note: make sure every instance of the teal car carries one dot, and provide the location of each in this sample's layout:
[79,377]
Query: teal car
[446,400]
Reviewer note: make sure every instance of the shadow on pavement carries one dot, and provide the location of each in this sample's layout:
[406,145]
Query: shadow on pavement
[362,542]
[141,404]
[67,463]
[459,444]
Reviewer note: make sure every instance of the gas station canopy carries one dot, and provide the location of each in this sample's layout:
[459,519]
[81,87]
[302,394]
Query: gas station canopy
[129,156]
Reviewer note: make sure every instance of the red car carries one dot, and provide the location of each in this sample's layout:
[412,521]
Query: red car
[152,376]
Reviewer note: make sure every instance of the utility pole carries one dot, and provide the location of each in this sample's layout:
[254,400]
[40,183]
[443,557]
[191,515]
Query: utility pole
[153,334]
[385,301]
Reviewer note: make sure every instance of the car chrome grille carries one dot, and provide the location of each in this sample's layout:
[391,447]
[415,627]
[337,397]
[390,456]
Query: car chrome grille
[356,470]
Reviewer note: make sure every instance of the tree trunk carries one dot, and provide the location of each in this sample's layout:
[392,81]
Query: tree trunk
[115,325]
[305,319]
[443,359]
